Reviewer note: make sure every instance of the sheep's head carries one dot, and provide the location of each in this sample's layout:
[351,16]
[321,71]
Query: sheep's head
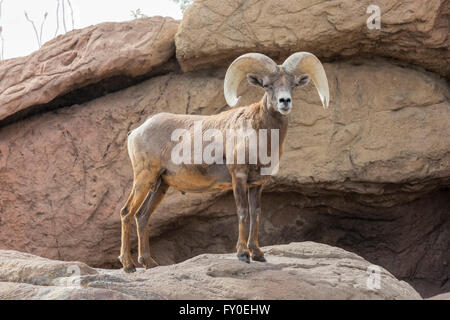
[278,81]
[279,87]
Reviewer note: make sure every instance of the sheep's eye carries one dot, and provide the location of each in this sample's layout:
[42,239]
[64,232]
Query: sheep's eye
[267,86]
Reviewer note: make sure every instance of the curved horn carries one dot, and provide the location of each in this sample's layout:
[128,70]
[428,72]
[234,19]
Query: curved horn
[238,70]
[305,62]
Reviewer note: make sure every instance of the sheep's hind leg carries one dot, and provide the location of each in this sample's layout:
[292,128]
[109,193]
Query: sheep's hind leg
[151,202]
[140,189]
[125,255]
[254,200]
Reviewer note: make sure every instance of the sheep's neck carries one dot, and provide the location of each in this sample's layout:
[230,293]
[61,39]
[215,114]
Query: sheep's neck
[265,117]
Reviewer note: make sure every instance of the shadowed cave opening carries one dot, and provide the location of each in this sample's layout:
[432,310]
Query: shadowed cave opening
[410,240]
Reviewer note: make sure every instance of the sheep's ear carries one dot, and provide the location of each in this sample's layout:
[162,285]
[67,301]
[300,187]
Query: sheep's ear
[302,80]
[254,80]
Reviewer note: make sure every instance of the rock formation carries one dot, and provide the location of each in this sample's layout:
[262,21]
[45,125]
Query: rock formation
[295,271]
[215,31]
[108,52]
[370,175]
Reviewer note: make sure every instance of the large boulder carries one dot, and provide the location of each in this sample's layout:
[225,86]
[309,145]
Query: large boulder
[295,271]
[214,32]
[84,57]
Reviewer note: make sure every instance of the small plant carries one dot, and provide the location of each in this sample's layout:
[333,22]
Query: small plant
[37,34]
[137,14]
[62,5]
[2,41]
[184,4]
[59,4]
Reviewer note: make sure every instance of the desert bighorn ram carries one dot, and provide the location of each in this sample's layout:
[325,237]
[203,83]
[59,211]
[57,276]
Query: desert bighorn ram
[151,147]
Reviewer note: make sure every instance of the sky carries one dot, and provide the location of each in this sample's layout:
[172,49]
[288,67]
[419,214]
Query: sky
[20,39]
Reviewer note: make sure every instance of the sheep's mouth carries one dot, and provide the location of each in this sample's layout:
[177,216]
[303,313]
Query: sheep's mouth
[284,110]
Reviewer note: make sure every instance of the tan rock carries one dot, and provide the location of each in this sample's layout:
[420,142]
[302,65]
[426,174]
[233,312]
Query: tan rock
[26,268]
[23,291]
[444,296]
[214,32]
[83,57]
[295,271]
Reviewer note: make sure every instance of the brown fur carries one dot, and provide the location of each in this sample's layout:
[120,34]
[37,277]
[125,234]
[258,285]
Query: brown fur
[150,149]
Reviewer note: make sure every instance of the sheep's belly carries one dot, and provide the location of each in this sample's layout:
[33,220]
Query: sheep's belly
[206,178]
[199,178]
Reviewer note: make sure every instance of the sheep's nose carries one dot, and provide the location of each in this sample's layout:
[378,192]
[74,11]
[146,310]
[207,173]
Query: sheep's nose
[285,101]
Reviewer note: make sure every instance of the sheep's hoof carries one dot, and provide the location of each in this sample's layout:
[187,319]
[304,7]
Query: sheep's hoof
[259,258]
[244,257]
[128,265]
[129,269]
[147,262]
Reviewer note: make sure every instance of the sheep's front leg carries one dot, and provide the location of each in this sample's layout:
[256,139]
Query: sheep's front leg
[240,196]
[254,200]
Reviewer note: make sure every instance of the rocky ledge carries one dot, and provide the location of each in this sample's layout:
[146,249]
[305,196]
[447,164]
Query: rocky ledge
[304,270]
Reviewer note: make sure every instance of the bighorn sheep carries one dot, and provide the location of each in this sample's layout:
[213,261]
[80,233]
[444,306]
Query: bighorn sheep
[151,145]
